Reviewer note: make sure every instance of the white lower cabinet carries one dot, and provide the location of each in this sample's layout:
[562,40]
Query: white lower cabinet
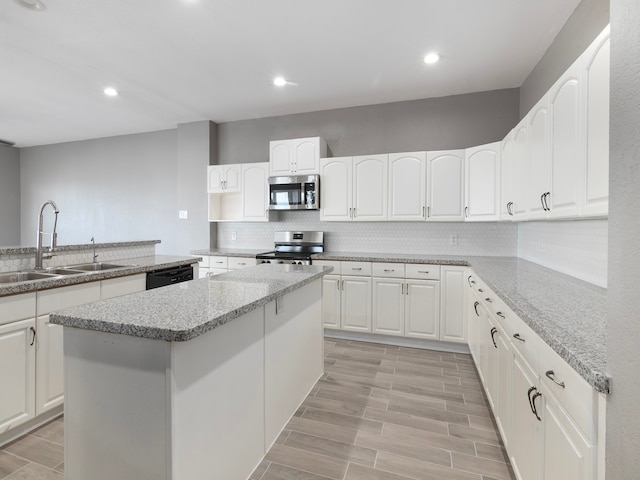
[49,365]
[388,306]
[453,312]
[356,303]
[331,301]
[422,309]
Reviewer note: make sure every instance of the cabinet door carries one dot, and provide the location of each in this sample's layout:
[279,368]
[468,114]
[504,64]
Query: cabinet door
[567,454]
[306,155]
[49,365]
[17,373]
[482,182]
[407,179]
[566,144]
[453,318]
[445,186]
[232,178]
[507,177]
[215,174]
[336,187]
[503,390]
[525,453]
[478,327]
[388,306]
[520,170]
[280,157]
[255,193]
[356,304]
[422,309]
[370,175]
[331,301]
[539,159]
[595,198]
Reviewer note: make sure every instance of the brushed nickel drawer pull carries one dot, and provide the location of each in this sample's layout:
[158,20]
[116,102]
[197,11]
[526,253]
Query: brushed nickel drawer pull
[387,270]
[552,376]
[500,314]
[423,271]
[518,337]
[356,269]
[489,300]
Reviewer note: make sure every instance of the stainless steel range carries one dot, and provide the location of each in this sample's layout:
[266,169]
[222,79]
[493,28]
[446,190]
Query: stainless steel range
[294,248]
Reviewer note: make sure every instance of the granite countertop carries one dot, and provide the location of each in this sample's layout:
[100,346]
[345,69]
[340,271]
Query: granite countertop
[186,310]
[232,252]
[568,314]
[132,266]
[85,246]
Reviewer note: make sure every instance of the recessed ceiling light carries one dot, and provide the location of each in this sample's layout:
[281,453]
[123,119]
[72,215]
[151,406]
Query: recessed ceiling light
[31,4]
[431,58]
[279,81]
[111,92]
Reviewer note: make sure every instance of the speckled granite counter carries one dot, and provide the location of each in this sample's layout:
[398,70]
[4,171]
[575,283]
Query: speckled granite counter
[85,246]
[184,311]
[232,252]
[132,266]
[567,313]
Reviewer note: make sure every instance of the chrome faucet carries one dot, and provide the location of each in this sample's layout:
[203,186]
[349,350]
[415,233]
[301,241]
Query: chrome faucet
[95,257]
[54,235]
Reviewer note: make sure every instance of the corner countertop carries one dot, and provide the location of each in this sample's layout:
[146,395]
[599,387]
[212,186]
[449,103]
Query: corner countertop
[181,312]
[232,252]
[84,246]
[570,315]
[131,266]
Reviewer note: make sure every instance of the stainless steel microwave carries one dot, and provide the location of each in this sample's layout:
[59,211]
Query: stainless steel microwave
[297,192]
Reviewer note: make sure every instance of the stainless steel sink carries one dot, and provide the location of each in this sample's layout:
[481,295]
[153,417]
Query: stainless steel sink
[13,277]
[63,271]
[96,267]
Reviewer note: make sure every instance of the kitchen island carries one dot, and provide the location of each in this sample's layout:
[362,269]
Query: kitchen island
[194,380]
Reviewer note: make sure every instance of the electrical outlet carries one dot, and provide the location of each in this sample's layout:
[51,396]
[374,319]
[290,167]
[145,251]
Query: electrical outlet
[234,236]
[183,214]
[453,239]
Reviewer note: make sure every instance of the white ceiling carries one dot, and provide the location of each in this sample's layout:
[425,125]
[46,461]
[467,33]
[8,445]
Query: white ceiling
[178,61]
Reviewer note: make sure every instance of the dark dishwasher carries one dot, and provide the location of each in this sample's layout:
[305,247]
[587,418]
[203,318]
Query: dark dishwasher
[169,276]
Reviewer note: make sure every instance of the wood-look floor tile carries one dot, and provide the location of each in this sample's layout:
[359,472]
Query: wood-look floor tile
[351,371]
[471,375]
[482,423]
[367,359]
[431,439]
[360,380]
[281,472]
[10,463]
[33,471]
[333,449]
[357,366]
[455,380]
[497,470]
[477,398]
[405,446]
[412,407]
[364,400]
[463,389]
[337,406]
[59,468]
[425,424]
[282,437]
[340,385]
[485,436]
[52,431]
[427,392]
[345,421]
[360,472]
[419,400]
[420,470]
[409,378]
[37,450]
[469,409]
[323,430]
[411,367]
[492,452]
[307,462]
[259,471]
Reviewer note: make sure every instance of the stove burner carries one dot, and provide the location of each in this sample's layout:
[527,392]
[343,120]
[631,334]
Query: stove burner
[293,248]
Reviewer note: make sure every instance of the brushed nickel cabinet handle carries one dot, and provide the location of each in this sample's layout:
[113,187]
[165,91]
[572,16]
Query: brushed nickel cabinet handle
[550,374]
[500,314]
[389,270]
[494,330]
[488,300]
[356,269]
[518,337]
[475,307]
[533,404]
[33,340]
[423,271]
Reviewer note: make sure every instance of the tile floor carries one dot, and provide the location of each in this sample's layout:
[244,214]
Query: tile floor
[379,412]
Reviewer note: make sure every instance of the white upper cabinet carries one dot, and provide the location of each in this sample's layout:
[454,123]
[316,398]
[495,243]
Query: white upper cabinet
[482,183]
[336,189]
[445,186]
[539,160]
[255,193]
[507,177]
[370,181]
[566,144]
[407,183]
[298,156]
[595,191]
[224,178]
[520,170]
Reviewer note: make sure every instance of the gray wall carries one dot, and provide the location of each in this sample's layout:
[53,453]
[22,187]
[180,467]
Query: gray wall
[116,189]
[9,196]
[623,327]
[586,22]
[458,121]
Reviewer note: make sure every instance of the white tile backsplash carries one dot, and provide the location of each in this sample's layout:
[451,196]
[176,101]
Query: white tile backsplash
[577,248]
[498,239]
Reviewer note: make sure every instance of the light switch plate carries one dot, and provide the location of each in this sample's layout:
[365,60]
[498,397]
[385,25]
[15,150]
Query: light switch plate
[183,214]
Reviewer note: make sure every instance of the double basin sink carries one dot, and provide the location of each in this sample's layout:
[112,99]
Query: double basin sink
[53,272]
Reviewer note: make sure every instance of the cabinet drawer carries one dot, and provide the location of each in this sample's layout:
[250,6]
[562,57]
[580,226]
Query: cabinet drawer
[17,307]
[424,271]
[236,263]
[576,396]
[389,270]
[355,268]
[526,342]
[217,261]
[328,263]
[58,298]
[116,287]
